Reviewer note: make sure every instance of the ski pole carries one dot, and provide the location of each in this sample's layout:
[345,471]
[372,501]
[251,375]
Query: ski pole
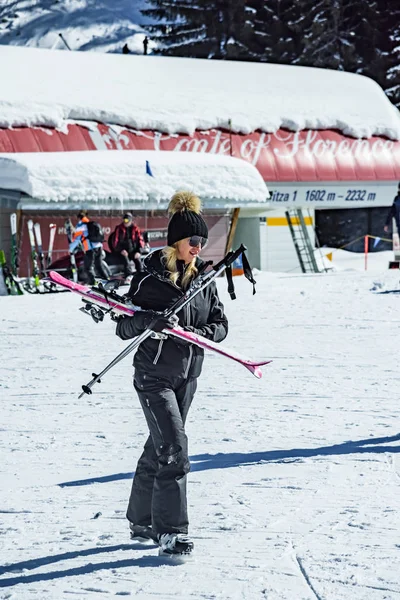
[197,286]
[64,41]
[87,389]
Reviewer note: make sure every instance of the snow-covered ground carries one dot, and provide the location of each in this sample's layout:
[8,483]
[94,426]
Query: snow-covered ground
[295,486]
[103,25]
[336,259]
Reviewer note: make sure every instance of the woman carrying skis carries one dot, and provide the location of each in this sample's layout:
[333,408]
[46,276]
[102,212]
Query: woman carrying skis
[166,372]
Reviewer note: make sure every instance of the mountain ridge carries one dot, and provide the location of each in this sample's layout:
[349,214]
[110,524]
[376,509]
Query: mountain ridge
[99,25]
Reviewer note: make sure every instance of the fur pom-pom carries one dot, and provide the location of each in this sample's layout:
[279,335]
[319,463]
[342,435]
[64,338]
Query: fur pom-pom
[184,200]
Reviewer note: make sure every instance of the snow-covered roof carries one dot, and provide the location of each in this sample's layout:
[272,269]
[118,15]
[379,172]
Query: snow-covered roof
[144,178]
[54,87]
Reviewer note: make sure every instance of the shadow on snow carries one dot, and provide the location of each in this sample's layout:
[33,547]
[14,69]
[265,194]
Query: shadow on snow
[144,561]
[203,462]
[200,462]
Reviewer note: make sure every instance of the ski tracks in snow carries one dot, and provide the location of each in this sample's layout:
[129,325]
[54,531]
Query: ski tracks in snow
[306,577]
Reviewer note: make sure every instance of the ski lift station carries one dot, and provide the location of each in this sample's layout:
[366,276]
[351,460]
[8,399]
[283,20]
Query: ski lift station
[278,154]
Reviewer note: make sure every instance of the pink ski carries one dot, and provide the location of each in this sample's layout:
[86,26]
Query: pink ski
[107,303]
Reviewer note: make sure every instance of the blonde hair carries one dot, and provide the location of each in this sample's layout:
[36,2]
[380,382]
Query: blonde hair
[170,257]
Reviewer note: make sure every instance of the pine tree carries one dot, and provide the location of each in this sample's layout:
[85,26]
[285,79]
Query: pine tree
[359,36]
[389,49]
[277,27]
[337,28]
[200,28]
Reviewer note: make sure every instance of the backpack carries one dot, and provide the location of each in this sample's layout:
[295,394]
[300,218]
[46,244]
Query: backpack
[95,232]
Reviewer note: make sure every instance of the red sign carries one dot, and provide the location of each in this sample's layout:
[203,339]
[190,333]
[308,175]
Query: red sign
[282,156]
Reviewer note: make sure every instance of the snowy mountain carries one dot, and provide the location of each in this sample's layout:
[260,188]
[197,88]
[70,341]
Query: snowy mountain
[103,25]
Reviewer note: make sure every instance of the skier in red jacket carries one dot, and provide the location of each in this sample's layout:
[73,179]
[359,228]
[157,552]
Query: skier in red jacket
[127,240]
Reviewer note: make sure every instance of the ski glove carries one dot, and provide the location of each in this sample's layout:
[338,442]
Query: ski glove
[130,327]
[162,322]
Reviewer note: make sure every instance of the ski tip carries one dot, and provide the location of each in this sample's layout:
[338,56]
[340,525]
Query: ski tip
[261,363]
[256,371]
[51,277]
[255,368]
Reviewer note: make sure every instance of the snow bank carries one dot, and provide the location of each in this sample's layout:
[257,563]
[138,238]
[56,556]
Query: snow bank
[140,176]
[338,260]
[53,87]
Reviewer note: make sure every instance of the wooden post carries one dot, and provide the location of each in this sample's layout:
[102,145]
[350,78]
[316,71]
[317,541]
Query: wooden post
[232,229]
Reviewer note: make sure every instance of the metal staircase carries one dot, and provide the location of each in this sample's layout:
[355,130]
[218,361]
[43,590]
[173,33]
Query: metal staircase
[301,240]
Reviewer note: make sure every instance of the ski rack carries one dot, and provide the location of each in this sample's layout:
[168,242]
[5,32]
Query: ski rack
[197,286]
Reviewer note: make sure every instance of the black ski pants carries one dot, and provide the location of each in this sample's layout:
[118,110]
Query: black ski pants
[94,263]
[158,495]
[137,262]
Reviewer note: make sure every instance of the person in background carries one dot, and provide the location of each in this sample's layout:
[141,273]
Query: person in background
[145,45]
[166,373]
[127,240]
[125,49]
[394,213]
[93,261]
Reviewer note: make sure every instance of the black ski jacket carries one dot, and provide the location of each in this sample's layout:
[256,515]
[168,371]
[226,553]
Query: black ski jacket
[171,358]
[394,213]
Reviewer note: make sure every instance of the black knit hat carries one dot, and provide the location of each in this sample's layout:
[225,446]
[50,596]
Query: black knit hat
[186,219]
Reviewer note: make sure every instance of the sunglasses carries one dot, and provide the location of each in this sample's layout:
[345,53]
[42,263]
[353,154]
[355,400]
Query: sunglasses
[197,240]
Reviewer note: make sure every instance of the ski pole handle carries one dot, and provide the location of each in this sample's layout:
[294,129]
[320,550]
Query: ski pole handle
[229,258]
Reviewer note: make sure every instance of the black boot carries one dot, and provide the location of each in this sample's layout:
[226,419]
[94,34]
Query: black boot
[175,544]
[142,533]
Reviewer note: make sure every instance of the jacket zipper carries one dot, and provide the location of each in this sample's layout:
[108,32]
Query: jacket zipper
[188,323]
[160,345]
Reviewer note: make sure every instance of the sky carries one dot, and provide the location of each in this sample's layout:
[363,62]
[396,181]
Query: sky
[294,489]
[54,88]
